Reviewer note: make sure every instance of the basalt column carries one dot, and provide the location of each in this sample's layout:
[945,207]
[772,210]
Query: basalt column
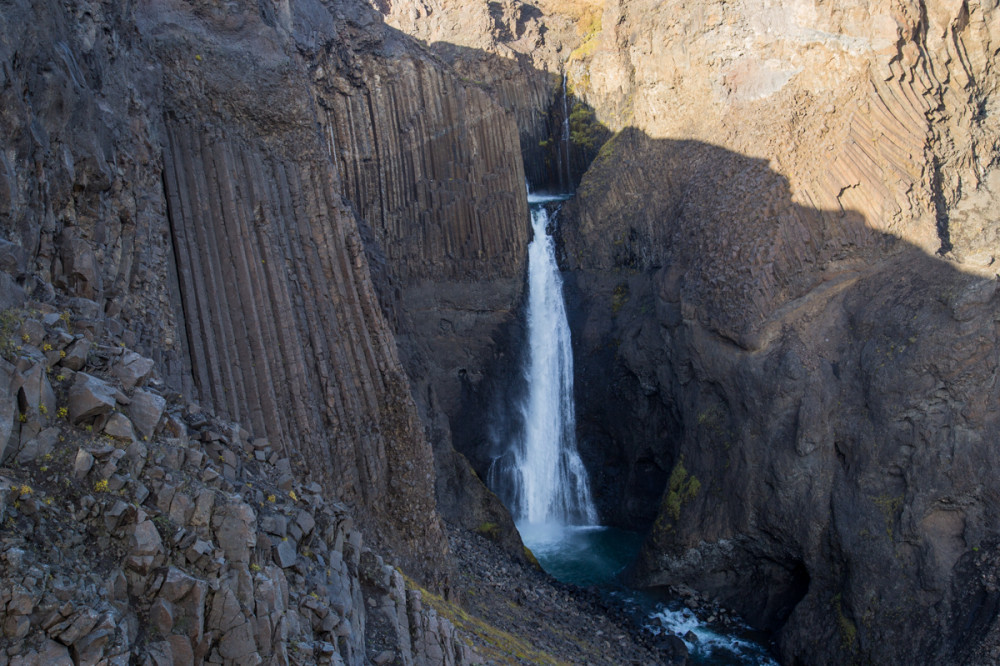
[284,330]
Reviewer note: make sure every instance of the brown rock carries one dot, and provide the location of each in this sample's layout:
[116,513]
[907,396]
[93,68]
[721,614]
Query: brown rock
[145,411]
[176,585]
[161,615]
[89,397]
[181,648]
[238,644]
[89,650]
[16,627]
[160,653]
[132,369]
[120,427]
[81,625]
[52,653]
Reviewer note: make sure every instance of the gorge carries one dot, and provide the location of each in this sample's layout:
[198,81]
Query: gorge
[264,286]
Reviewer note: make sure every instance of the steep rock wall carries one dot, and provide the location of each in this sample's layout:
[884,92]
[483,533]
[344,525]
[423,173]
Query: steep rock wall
[517,52]
[231,187]
[770,299]
[757,308]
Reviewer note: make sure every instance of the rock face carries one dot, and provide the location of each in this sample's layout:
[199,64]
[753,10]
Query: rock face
[811,379]
[252,194]
[773,363]
[185,550]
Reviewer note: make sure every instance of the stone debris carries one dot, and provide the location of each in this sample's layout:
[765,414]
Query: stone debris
[90,397]
[125,542]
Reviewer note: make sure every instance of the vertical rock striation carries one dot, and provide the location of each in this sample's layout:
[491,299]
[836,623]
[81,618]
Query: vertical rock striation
[246,193]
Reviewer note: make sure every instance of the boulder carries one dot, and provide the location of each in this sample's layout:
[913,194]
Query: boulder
[144,548]
[161,616]
[284,554]
[39,445]
[52,653]
[235,527]
[145,411]
[120,427]
[11,295]
[76,354]
[34,392]
[132,369]
[83,463]
[89,397]
[7,404]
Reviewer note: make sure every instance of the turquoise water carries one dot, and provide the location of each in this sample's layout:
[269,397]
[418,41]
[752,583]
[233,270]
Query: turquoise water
[595,556]
[583,556]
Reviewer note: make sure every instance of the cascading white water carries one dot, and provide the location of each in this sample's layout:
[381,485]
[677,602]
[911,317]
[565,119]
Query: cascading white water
[550,480]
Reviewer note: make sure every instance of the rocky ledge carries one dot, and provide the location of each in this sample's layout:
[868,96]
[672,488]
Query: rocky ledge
[137,529]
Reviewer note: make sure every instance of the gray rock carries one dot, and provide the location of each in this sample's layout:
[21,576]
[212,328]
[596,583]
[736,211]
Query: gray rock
[7,404]
[305,521]
[90,397]
[84,462]
[235,527]
[38,446]
[132,369]
[34,332]
[11,294]
[145,411]
[35,393]
[120,427]
[144,547]
[284,554]
[203,505]
[13,258]
[76,355]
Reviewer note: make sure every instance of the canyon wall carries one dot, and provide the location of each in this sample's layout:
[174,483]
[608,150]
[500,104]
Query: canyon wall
[758,255]
[783,277]
[262,197]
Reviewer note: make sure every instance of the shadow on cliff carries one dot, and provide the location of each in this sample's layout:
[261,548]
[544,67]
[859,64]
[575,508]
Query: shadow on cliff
[560,134]
[771,387]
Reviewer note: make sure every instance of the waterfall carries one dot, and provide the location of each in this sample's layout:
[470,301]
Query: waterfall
[550,481]
[568,185]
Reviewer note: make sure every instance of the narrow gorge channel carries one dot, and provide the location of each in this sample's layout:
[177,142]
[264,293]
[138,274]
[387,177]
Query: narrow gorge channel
[542,480]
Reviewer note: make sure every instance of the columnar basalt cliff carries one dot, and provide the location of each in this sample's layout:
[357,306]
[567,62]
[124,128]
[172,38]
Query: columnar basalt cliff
[219,182]
[251,195]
